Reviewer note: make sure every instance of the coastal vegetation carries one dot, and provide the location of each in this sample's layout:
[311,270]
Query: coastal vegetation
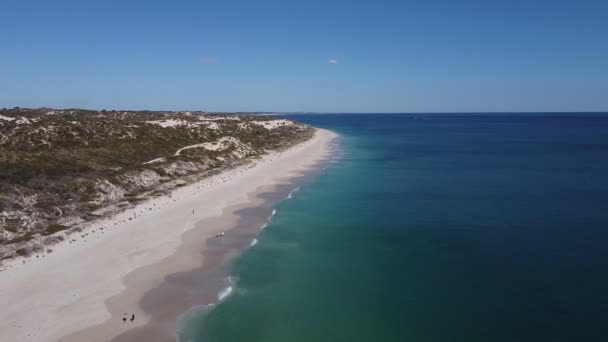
[60,169]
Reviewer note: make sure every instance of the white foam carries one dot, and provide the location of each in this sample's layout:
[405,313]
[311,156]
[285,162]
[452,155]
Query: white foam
[292,192]
[274,211]
[184,318]
[224,293]
[254,242]
[227,290]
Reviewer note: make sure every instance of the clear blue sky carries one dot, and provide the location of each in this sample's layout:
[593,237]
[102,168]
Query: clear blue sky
[338,56]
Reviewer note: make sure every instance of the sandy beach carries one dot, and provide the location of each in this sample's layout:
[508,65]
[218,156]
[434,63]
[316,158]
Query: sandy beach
[132,262]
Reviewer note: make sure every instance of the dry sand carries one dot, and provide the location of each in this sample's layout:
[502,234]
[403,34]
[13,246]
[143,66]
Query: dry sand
[81,290]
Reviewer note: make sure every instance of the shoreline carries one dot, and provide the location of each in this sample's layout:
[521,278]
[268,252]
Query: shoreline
[78,289]
[210,280]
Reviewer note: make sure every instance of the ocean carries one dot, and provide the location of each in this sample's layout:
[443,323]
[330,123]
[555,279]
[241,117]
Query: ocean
[433,227]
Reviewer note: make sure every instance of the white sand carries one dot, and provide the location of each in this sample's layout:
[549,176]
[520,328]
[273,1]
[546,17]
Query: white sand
[49,297]
[6,118]
[168,123]
[272,124]
[219,145]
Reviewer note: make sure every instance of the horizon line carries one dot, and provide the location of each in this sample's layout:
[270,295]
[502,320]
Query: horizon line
[318,112]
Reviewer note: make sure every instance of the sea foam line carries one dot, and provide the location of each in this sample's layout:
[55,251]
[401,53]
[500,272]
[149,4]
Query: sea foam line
[184,318]
[292,192]
[227,291]
[224,293]
[274,211]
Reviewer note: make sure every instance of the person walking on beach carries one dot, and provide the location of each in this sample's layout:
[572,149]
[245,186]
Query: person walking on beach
[132,317]
[124,317]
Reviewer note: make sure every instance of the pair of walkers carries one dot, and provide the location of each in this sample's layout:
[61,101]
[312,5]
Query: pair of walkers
[124,317]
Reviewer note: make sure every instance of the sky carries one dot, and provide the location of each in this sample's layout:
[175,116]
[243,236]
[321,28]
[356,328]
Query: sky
[305,56]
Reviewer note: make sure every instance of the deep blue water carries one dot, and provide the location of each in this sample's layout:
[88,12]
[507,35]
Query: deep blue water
[434,228]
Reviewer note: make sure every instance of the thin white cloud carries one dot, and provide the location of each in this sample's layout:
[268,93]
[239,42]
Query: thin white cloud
[332,61]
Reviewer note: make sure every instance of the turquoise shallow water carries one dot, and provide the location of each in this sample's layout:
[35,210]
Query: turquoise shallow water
[434,228]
